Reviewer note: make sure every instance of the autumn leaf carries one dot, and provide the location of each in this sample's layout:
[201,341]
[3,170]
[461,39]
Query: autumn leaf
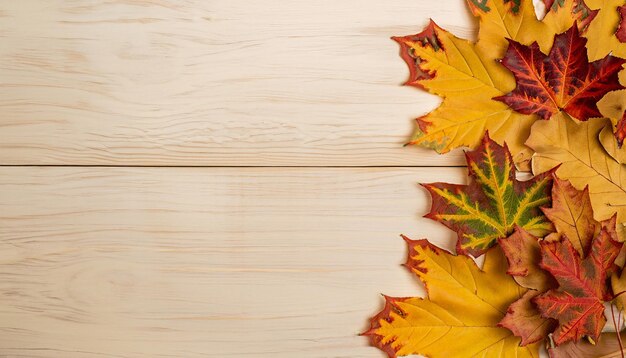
[523,255]
[501,20]
[467,76]
[583,160]
[493,203]
[620,33]
[601,31]
[572,215]
[578,303]
[459,316]
[525,321]
[603,34]
[611,146]
[583,14]
[607,346]
[562,80]
[613,106]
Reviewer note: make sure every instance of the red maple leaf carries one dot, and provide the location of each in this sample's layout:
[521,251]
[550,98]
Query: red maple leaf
[562,80]
[578,301]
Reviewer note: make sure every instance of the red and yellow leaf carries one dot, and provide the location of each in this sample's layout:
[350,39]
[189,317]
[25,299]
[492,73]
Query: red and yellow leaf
[467,76]
[493,203]
[562,80]
[460,315]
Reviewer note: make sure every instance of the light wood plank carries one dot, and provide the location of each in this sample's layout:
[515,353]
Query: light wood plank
[199,262]
[237,82]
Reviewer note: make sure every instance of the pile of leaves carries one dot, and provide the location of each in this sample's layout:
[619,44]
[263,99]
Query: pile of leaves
[541,95]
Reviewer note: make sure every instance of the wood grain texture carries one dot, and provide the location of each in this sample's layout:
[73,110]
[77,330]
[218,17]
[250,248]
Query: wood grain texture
[204,262]
[213,82]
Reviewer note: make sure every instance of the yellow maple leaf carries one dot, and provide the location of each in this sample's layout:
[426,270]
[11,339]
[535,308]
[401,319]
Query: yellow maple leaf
[575,146]
[468,75]
[460,316]
[602,40]
[601,31]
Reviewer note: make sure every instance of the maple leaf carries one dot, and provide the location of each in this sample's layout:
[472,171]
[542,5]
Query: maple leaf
[580,10]
[467,76]
[459,316]
[578,302]
[572,216]
[601,32]
[562,80]
[493,203]
[523,255]
[603,40]
[525,321]
[583,160]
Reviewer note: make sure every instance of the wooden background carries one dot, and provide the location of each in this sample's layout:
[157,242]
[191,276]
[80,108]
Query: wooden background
[209,178]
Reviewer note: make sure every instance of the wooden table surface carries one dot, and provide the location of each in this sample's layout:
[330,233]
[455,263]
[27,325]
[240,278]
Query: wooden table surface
[209,178]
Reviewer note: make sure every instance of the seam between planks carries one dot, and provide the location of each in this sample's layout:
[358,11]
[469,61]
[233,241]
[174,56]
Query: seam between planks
[226,166]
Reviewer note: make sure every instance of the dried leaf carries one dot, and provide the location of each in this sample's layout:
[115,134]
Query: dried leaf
[523,254]
[601,31]
[493,203]
[523,318]
[577,231]
[572,215]
[525,321]
[562,80]
[613,106]
[501,20]
[575,146]
[460,314]
[607,347]
[581,12]
[467,76]
[578,303]
[610,145]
